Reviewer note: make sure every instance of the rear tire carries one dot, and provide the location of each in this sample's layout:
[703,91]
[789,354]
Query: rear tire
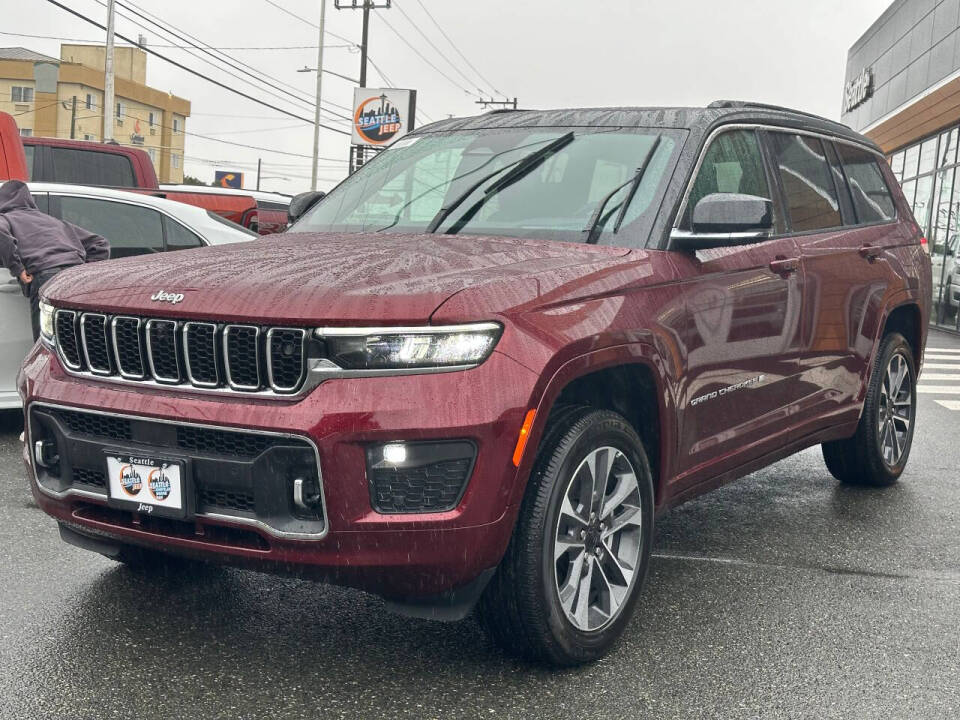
[571,576]
[878,452]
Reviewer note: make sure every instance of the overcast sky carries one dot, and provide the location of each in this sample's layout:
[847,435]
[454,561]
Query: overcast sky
[548,53]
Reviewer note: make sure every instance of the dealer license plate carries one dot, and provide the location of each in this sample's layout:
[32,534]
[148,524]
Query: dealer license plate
[152,486]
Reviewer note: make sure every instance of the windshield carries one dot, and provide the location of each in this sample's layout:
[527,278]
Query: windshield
[550,183]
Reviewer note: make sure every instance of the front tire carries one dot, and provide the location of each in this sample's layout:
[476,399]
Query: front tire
[568,584]
[877,454]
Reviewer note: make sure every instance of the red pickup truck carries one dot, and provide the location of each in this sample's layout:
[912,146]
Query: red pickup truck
[84,162]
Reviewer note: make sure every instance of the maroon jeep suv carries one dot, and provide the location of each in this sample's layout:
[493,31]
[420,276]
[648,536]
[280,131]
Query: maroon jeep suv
[476,371]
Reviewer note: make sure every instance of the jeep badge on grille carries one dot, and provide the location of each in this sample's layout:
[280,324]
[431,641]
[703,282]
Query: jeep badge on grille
[164,296]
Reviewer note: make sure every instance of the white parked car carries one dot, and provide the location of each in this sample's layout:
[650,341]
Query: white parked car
[135,224]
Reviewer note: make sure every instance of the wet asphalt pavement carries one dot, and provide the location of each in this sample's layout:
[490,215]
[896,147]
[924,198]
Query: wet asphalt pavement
[781,595]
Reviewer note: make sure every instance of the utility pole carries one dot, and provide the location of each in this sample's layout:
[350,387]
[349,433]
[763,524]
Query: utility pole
[73,118]
[503,103]
[357,151]
[260,160]
[109,96]
[316,117]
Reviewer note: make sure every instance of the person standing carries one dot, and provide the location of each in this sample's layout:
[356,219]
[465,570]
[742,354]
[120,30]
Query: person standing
[34,246]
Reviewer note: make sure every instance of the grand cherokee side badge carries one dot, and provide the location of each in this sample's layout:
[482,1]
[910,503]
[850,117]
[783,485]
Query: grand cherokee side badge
[727,390]
[163,296]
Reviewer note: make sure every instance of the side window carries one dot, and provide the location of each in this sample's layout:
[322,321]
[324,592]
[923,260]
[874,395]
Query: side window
[810,194]
[43,202]
[732,164]
[130,229]
[178,237]
[28,150]
[88,167]
[871,196]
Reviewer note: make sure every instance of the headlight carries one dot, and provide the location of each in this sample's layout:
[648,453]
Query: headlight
[409,348]
[46,321]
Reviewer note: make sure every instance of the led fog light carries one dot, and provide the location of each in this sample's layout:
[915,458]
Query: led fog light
[418,477]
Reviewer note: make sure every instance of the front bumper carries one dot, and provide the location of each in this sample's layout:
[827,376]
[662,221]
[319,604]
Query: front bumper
[396,555]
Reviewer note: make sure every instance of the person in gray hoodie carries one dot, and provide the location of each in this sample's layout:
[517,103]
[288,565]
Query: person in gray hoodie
[35,246]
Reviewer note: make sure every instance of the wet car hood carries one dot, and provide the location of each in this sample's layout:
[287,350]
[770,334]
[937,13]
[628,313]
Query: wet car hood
[314,278]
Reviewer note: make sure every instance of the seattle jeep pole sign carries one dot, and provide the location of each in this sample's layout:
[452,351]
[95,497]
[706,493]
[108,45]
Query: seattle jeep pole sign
[382,115]
[858,90]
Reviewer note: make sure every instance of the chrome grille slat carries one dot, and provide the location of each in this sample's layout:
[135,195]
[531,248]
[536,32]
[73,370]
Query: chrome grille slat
[200,354]
[163,350]
[96,344]
[205,356]
[128,347]
[285,371]
[68,341]
[242,356]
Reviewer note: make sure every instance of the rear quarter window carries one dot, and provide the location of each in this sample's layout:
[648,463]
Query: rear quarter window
[92,167]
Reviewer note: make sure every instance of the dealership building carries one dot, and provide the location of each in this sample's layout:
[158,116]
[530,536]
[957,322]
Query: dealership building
[902,89]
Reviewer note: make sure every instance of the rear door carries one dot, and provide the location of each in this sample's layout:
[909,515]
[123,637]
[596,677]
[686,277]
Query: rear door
[842,216]
[742,325]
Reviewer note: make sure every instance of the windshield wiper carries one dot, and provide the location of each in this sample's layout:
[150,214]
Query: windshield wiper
[598,220]
[521,168]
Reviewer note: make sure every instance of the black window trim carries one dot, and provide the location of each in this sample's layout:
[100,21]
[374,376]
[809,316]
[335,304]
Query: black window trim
[765,128]
[844,194]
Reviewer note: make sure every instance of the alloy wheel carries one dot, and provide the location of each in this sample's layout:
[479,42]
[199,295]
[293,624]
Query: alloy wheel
[598,539]
[895,409]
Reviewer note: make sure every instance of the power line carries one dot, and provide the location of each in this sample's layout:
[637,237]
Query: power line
[457,48]
[193,39]
[310,23]
[314,25]
[425,58]
[223,58]
[433,45]
[195,72]
[165,45]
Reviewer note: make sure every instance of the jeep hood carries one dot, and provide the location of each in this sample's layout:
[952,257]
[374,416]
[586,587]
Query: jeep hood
[304,278]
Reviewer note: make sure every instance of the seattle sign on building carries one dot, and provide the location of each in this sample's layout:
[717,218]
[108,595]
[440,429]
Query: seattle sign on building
[382,115]
[858,90]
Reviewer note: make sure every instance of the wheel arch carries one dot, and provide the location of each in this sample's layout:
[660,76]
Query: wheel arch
[628,379]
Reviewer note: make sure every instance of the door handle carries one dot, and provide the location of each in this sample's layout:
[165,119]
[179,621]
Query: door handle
[869,252]
[784,266]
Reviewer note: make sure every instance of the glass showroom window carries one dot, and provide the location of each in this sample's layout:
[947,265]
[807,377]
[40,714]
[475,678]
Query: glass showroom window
[927,172]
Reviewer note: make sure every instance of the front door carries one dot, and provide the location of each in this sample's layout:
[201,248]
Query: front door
[742,326]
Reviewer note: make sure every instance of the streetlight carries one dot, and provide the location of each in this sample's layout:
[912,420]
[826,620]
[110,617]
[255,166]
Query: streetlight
[316,116]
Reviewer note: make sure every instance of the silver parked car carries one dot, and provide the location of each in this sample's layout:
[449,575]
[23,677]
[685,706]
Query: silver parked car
[134,224]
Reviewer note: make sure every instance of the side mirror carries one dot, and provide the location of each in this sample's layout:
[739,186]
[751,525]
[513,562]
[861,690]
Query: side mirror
[303,202]
[724,219]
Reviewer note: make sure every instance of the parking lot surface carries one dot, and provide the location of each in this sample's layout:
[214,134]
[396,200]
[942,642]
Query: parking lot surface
[781,595]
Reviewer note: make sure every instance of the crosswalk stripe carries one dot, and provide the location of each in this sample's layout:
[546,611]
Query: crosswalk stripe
[943,356]
[941,366]
[944,350]
[938,376]
[938,389]
[949,404]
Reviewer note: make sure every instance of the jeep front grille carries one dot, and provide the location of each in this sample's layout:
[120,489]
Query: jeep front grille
[188,354]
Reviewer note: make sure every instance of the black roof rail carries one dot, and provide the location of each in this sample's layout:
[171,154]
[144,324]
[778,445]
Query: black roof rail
[746,104]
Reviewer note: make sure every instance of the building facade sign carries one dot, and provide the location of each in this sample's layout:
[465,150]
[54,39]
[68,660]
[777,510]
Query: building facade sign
[858,90]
